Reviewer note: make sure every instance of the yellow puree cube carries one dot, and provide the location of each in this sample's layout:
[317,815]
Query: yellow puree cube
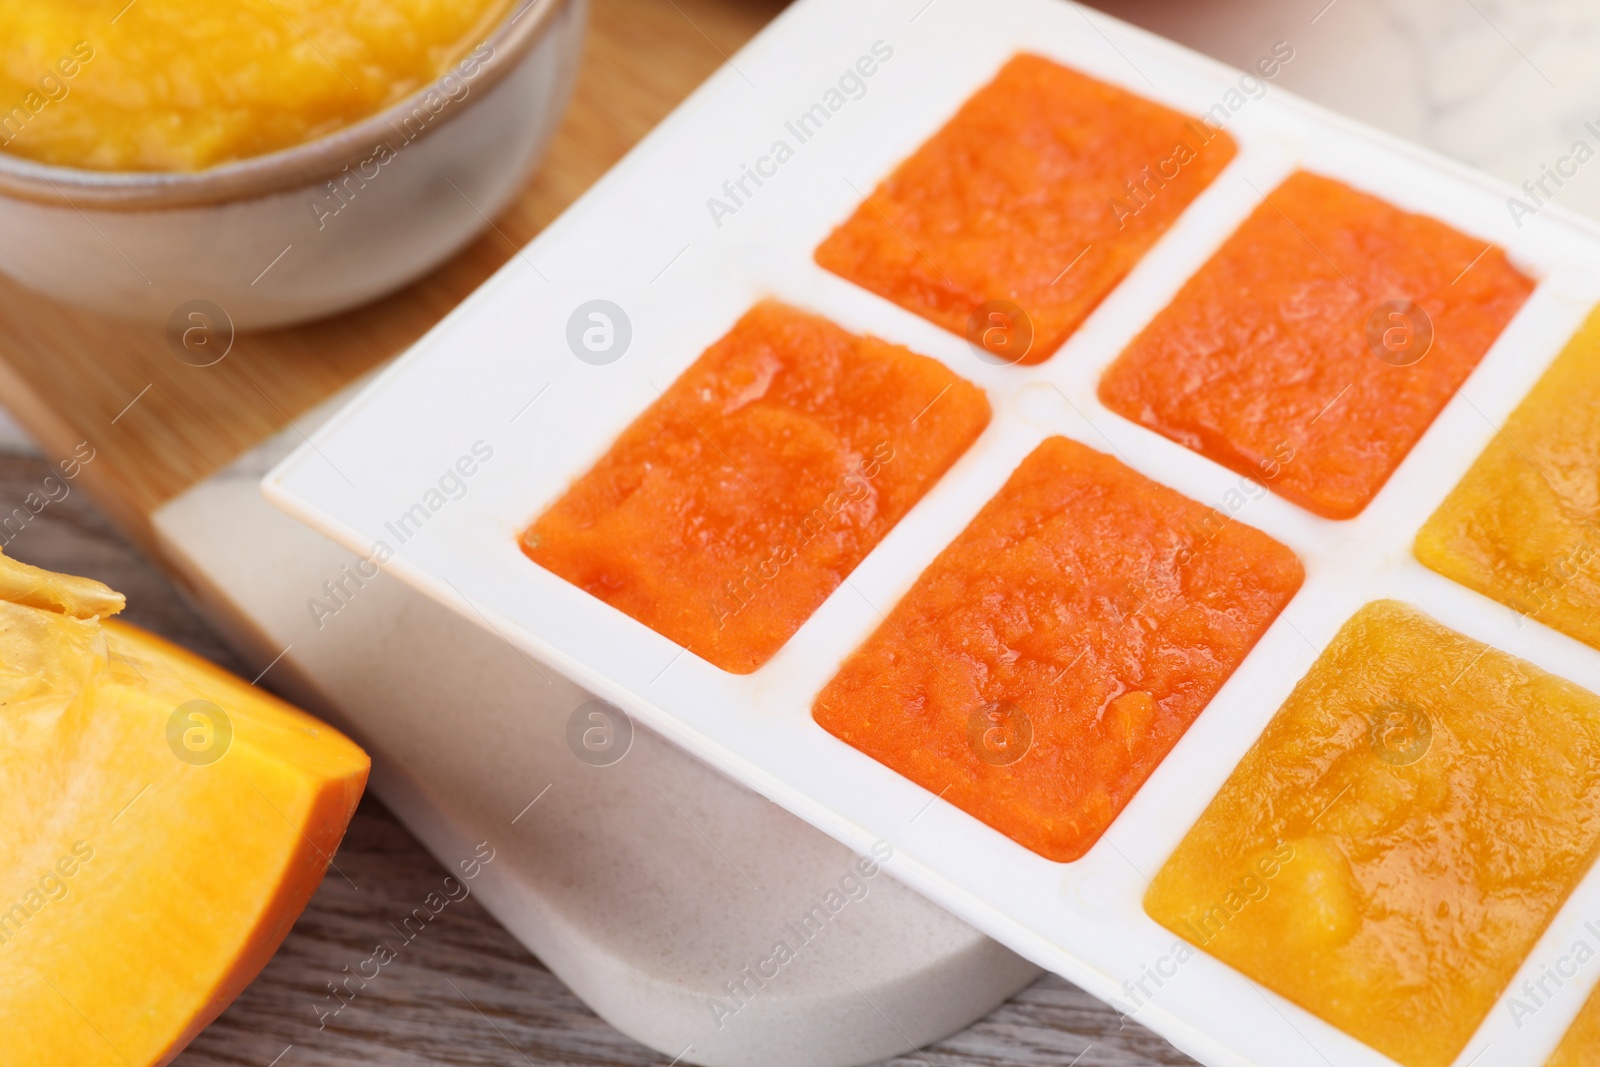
[1581,1046]
[1522,525]
[1389,851]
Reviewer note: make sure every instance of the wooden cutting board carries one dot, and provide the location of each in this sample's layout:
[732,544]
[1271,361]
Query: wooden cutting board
[159,425]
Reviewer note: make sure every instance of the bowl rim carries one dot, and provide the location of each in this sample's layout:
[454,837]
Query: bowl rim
[295,167]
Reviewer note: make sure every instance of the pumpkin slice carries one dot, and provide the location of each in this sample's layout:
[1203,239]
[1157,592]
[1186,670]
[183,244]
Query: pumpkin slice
[165,824]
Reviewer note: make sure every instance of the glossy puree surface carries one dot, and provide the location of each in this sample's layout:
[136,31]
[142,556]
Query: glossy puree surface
[1581,1045]
[180,85]
[1048,660]
[1263,362]
[1042,170]
[1431,802]
[1521,526]
[737,502]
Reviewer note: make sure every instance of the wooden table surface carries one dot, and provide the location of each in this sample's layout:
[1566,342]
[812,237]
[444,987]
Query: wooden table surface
[466,992]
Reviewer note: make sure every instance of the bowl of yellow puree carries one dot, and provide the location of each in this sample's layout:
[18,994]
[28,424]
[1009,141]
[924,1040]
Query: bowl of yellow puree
[282,159]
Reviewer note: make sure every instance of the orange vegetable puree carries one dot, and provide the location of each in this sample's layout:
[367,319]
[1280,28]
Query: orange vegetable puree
[1430,802]
[179,85]
[1263,361]
[1521,526]
[1048,660]
[730,510]
[1581,1046]
[1044,190]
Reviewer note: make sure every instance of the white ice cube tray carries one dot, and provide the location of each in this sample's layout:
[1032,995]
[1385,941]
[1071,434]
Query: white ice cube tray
[498,374]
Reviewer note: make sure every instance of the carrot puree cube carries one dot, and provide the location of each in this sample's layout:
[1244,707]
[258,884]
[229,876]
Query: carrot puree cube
[1400,836]
[1298,354]
[729,511]
[1521,526]
[1043,191]
[1048,660]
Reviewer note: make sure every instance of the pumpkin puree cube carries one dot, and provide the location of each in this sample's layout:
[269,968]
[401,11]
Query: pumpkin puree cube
[1047,661]
[1427,803]
[1581,1046]
[726,514]
[1521,526]
[1297,355]
[1044,190]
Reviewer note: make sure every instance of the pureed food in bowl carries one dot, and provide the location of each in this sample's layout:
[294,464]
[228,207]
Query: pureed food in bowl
[182,85]
[1407,827]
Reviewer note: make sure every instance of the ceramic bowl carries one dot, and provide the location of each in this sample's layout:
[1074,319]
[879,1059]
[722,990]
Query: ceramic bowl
[313,229]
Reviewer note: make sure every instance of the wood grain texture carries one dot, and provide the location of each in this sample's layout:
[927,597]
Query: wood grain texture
[463,991]
[69,376]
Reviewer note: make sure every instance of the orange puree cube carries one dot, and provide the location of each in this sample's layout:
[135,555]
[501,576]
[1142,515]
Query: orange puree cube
[1048,660]
[1044,190]
[1581,1046]
[1316,347]
[728,511]
[1521,526]
[1390,849]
